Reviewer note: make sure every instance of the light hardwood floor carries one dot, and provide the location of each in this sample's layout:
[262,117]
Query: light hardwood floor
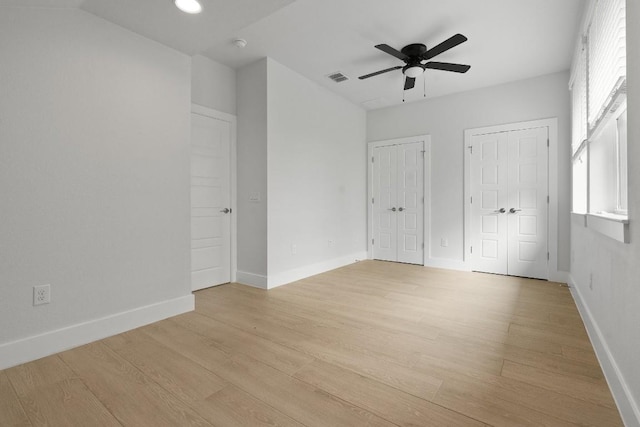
[373,343]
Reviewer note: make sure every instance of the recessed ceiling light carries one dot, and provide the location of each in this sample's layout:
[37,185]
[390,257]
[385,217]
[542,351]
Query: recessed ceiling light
[188,6]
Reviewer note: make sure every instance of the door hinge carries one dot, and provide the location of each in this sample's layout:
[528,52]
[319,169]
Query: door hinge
[373,201]
[373,241]
[471,199]
[373,159]
[548,256]
[547,199]
[423,200]
[547,142]
[471,249]
[422,245]
[470,147]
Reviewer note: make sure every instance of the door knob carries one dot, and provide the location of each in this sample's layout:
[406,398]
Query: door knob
[400,209]
[225,210]
[393,209]
[501,210]
[514,210]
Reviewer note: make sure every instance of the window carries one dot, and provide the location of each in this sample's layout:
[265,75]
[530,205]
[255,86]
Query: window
[622,194]
[599,116]
[607,167]
[580,153]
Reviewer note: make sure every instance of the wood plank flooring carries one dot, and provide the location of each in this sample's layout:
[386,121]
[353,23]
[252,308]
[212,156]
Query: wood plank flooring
[373,343]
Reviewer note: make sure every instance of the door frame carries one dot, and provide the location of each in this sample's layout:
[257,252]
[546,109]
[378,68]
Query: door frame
[426,188]
[233,198]
[552,183]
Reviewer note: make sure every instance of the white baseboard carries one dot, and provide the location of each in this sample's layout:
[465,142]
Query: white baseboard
[313,269]
[559,276]
[628,407]
[39,346]
[451,264]
[250,279]
[447,264]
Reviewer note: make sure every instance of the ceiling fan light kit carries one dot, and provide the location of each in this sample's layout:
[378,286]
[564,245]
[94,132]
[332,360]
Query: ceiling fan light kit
[417,57]
[413,71]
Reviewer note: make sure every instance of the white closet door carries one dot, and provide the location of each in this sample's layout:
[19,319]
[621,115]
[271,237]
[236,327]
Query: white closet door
[489,176]
[210,197]
[398,203]
[410,203]
[528,203]
[385,194]
[509,209]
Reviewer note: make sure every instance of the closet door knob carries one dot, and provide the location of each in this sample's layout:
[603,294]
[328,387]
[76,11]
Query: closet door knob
[514,210]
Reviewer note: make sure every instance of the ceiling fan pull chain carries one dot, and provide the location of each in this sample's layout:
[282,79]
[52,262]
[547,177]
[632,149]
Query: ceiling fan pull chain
[424,84]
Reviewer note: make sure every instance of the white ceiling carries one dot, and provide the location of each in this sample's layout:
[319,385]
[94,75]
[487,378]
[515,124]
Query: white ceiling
[508,39]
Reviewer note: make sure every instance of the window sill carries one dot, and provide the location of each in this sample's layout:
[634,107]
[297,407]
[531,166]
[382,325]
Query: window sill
[612,217]
[611,225]
[579,218]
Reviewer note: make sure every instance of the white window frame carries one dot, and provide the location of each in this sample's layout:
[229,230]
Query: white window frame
[605,99]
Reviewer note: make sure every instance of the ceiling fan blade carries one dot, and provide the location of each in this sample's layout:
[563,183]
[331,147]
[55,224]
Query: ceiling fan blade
[366,76]
[451,42]
[446,66]
[391,51]
[409,83]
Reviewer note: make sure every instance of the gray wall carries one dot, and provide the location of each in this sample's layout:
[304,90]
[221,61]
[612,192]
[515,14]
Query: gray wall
[613,268]
[446,118]
[213,85]
[302,148]
[94,170]
[317,174]
[252,169]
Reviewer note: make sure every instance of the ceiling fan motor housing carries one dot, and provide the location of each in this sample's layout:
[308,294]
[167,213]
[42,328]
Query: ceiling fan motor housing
[414,51]
[414,54]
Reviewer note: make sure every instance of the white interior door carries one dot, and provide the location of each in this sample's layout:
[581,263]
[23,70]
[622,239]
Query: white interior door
[398,203]
[385,196]
[528,203]
[210,202]
[509,209]
[489,197]
[410,203]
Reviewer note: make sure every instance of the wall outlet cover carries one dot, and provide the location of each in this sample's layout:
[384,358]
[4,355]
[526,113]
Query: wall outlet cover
[41,294]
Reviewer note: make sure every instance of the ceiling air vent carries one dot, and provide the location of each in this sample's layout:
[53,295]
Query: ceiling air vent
[338,77]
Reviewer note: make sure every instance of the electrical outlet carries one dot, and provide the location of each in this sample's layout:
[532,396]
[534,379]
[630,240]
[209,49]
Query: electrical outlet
[41,294]
[444,242]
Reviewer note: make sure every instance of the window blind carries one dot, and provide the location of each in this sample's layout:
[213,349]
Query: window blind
[579,100]
[607,58]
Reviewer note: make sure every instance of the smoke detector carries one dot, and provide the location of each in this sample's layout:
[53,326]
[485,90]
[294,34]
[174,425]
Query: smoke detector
[239,43]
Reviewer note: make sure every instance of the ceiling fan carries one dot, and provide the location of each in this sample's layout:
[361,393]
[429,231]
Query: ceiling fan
[416,58]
